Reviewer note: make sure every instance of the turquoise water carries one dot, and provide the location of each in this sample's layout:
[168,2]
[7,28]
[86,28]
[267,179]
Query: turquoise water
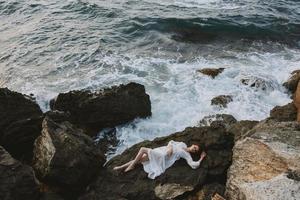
[47,47]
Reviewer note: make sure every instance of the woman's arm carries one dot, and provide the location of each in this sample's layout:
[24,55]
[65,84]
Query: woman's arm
[193,164]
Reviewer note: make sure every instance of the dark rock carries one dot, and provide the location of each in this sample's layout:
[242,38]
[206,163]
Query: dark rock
[295,175]
[258,83]
[58,116]
[292,82]
[218,120]
[20,123]
[107,140]
[287,112]
[66,157]
[221,100]
[17,181]
[239,129]
[213,72]
[208,191]
[178,179]
[104,108]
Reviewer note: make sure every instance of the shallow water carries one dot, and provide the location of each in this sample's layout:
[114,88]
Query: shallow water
[47,47]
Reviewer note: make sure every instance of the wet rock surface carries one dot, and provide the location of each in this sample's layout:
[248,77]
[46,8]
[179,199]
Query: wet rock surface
[104,108]
[20,123]
[65,157]
[179,180]
[17,181]
[218,120]
[212,72]
[221,100]
[258,83]
[292,82]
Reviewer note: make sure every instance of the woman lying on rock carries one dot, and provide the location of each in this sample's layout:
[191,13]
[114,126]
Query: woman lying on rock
[156,161]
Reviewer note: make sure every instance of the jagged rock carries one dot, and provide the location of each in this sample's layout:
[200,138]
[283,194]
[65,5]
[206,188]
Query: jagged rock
[287,112]
[297,101]
[17,181]
[292,82]
[221,100]
[212,72]
[107,140]
[241,128]
[217,120]
[262,163]
[208,191]
[66,157]
[258,83]
[58,116]
[20,123]
[178,179]
[104,108]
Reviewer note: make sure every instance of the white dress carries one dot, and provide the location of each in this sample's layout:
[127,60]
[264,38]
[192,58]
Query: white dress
[159,160]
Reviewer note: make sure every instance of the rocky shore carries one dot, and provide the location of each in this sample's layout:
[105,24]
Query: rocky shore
[53,155]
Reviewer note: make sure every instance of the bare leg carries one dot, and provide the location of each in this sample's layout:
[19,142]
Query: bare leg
[123,166]
[138,158]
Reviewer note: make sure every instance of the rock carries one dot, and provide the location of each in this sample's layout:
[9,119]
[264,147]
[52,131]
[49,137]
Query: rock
[297,101]
[262,163]
[221,100]
[212,72]
[208,192]
[292,82]
[66,157]
[258,83]
[217,120]
[287,112]
[178,179]
[241,128]
[104,108]
[20,123]
[17,181]
[58,116]
[107,140]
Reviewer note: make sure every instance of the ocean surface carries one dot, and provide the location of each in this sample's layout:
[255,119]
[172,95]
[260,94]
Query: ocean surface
[52,46]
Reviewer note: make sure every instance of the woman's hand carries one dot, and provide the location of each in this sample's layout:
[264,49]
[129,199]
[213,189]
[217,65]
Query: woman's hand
[203,155]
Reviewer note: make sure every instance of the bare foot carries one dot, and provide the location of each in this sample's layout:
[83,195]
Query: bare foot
[130,167]
[117,168]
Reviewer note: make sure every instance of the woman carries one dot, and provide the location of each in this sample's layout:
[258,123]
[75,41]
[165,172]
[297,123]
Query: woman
[156,161]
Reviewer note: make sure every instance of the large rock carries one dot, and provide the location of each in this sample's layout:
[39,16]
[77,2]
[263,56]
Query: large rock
[241,128]
[20,123]
[104,108]
[297,101]
[178,179]
[221,100]
[212,72]
[292,82]
[287,112]
[266,163]
[66,157]
[17,181]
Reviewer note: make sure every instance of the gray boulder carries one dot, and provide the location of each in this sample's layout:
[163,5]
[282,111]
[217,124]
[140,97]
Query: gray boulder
[104,108]
[20,123]
[17,181]
[66,157]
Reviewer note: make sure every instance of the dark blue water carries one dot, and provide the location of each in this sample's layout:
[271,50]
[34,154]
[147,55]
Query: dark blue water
[52,46]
